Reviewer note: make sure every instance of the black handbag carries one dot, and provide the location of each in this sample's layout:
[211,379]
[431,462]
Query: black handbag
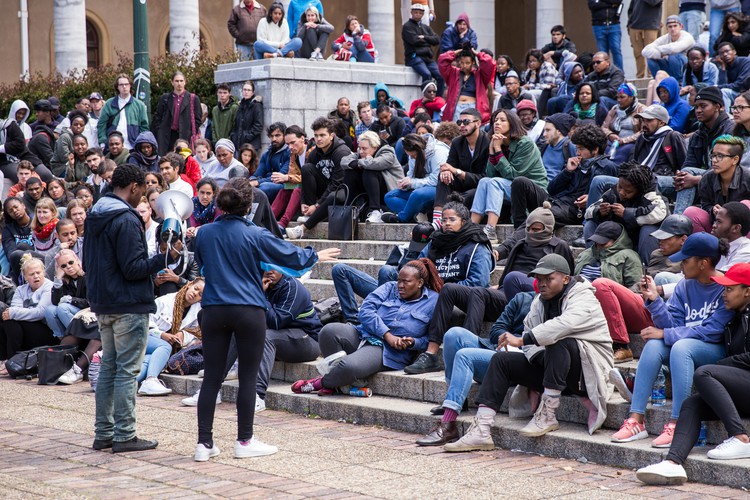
[24,364]
[188,361]
[54,361]
[343,219]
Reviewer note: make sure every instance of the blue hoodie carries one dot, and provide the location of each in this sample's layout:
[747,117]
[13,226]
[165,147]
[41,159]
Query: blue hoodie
[395,102]
[678,108]
[290,306]
[565,87]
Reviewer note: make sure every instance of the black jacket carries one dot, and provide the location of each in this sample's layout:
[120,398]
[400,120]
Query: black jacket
[15,143]
[567,186]
[737,341]
[162,123]
[644,14]
[415,46]
[709,189]
[555,245]
[604,12]
[395,130]
[42,143]
[116,261]
[290,306]
[75,288]
[329,164]
[671,153]
[567,44]
[459,156]
[699,146]
[608,82]
[248,124]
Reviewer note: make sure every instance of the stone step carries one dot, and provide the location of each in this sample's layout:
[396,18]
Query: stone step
[358,249]
[402,232]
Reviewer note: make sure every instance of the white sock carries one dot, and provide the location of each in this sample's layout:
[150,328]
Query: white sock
[552,393]
[485,411]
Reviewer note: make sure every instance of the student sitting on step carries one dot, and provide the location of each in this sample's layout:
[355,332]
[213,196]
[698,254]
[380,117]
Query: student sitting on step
[393,327]
[720,390]
[566,348]
[460,251]
[635,203]
[686,333]
[485,304]
[466,357]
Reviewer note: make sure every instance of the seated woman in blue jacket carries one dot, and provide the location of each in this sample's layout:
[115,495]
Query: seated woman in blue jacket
[393,328]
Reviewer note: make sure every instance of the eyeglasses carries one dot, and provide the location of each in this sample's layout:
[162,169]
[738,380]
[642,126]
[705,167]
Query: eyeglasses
[596,63]
[739,108]
[720,156]
[465,121]
[69,263]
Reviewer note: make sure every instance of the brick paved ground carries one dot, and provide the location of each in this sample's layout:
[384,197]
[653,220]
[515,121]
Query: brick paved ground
[46,433]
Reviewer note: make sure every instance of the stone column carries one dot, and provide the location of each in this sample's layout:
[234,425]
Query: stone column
[380,16]
[548,13]
[481,16]
[184,26]
[70,35]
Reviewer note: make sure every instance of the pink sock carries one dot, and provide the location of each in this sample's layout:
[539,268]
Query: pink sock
[449,415]
[317,383]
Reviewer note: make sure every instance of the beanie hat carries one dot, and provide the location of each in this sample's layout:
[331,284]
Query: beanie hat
[712,94]
[526,104]
[226,144]
[562,122]
[429,84]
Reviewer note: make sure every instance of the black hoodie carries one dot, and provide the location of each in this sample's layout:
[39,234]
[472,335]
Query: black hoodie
[329,164]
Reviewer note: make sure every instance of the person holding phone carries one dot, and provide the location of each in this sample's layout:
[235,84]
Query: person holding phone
[388,126]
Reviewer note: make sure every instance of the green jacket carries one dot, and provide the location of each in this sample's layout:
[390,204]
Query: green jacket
[523,160]
[222,120]
[135,114]
[619,263]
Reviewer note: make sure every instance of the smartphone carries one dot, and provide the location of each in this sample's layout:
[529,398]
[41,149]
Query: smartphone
[645,273]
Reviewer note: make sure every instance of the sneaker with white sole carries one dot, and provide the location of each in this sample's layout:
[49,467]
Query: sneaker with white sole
[631,430]
[664,473]
[664,440]
[193,400]
[615,376]
[233,372]
[152,386]
[202,453]
[260,405]
[200,373]
[375,217]
[730,449]
[72,376]
[422,217]
[295,233]
[253,448]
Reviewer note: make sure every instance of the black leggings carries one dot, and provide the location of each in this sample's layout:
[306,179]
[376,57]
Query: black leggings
[91,346]
[219,324]
[479,304]
[558,367]
[311,40]
[370,182]
[526,196]
[721,394]
[18,336]
[466,187]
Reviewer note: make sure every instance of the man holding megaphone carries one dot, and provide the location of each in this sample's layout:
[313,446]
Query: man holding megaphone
[121,293]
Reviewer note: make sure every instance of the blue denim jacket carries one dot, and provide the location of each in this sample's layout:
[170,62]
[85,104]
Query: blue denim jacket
[385,311]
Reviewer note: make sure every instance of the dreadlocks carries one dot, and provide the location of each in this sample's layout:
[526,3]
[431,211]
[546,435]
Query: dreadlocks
[639,176]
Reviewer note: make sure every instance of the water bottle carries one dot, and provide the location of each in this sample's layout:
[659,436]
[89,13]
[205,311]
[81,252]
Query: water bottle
[613,150]
[702,435]
[659,390]
[360,392]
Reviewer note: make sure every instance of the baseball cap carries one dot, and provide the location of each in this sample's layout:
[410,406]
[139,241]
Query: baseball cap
[419,6]
[698,245]
[54,102]
[655,111]
[738,274]
[95,96]
[673,19]
[549,264]
[42,105]
[605,232]
[420,236]
[674,225]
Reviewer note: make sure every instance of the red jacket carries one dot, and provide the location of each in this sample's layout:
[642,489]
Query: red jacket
[484,76]
[434,106]
[192,172]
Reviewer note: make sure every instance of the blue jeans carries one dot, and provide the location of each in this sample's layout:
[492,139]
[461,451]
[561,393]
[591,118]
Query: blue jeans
[683,358]
[401,156]
[693,21]
[260,47]
[408,203]
[672,64]
[271,189]
[608,39]
[59,317]
[428,71]
[155,360]
[244,51]
[124,344]
[465,360]
[729,96]
[360,55]
[490,194]
[714,27]
[350,283]
[665,278]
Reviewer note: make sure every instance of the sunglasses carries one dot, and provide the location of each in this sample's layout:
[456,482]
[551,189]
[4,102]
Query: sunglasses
[465,121]
[69,263]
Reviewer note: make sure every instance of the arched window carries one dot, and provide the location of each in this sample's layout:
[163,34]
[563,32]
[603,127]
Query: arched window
[93,47]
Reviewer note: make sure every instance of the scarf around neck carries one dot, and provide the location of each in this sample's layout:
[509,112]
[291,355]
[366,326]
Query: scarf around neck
[443,243]
[45,231]
[203,215]
[583,115]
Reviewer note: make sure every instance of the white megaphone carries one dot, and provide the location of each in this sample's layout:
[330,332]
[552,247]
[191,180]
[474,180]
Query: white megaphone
[173,207]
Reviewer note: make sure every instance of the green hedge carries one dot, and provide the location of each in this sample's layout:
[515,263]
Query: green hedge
[199,73]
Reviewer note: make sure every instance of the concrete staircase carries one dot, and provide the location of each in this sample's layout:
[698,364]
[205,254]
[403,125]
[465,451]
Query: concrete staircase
[402,402]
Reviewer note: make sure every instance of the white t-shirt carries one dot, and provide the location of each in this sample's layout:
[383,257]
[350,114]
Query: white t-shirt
[182,186]
[122,123]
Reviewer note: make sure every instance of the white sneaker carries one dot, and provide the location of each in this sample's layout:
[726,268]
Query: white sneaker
[295,233]
[152,386]
[233,372]
[202,454]
[260,405]
[253,448]
[663,473]
[72,376]
[375,217]
[193,400]
[730,449]
[422,217]
[200,373]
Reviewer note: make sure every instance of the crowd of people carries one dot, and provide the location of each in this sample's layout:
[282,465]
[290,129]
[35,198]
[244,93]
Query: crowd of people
[661,189]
